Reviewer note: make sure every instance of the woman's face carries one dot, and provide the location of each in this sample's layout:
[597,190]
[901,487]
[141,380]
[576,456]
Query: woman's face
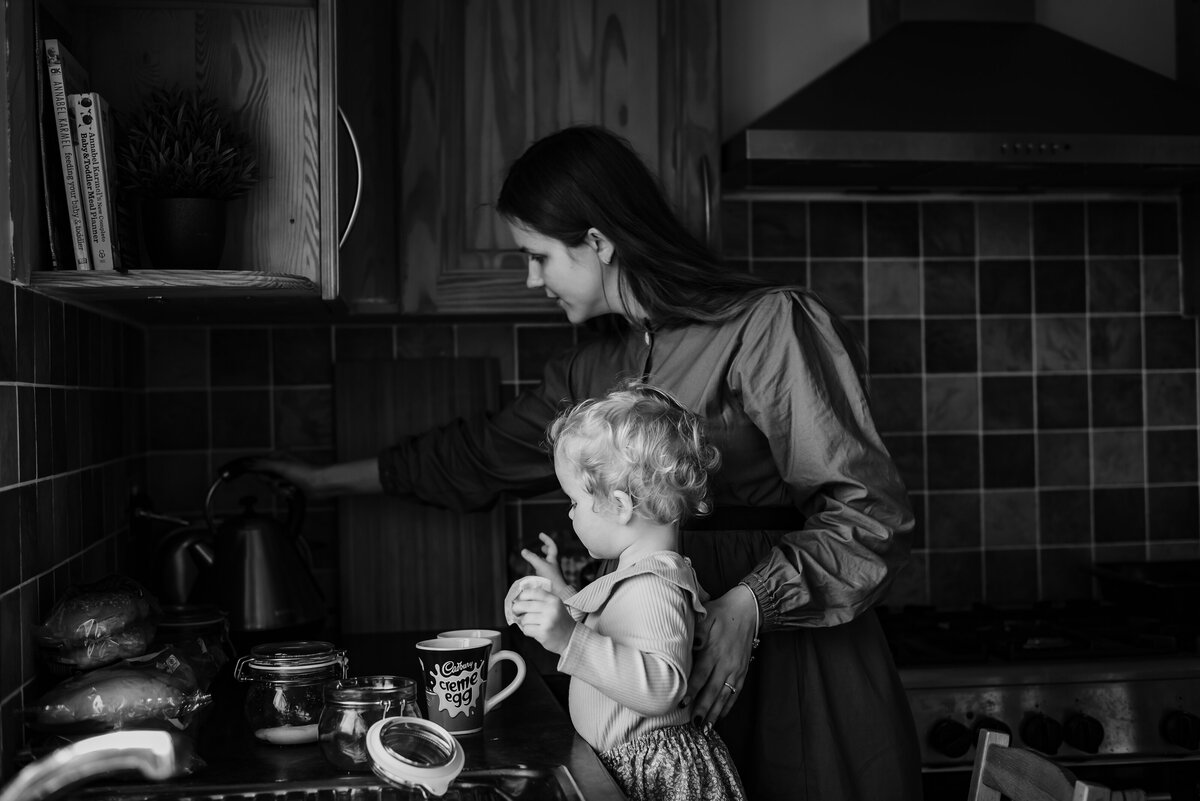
[573,276]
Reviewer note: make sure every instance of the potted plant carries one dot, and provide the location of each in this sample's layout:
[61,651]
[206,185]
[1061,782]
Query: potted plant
[183,159]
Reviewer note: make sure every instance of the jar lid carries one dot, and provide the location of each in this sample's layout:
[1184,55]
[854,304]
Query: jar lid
[370,691]
[191,615]
[290,660]
[414,752]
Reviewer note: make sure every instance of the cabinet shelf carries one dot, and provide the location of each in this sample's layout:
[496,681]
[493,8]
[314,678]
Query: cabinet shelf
[171,284]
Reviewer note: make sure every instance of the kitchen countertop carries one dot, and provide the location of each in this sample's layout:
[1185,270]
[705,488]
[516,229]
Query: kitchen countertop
[528,729]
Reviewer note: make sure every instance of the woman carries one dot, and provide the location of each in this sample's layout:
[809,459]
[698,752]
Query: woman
[811,518]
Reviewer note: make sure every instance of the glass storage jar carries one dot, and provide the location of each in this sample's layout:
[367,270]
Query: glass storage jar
[352,705]
[287,684]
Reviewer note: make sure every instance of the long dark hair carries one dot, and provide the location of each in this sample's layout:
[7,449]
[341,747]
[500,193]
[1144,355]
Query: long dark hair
[586,176]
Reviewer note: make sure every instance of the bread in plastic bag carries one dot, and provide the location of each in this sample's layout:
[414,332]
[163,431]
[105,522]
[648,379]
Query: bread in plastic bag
[97,624]
[158,690]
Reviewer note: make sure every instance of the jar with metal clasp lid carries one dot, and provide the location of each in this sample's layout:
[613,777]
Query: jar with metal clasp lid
[286,690]
[352,705]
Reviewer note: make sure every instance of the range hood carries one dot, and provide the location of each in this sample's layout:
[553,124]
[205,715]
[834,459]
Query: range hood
[975,105]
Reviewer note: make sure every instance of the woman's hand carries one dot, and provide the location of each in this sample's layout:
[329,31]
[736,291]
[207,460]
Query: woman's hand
[724,645]
[542,616]
[548,568]
[349,478]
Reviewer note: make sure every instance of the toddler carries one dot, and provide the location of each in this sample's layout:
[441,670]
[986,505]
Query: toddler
[634,464]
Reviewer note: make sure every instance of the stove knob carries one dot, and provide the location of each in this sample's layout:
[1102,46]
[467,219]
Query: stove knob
[950,738]
[1083,732]
[1181,729]
[1041,732]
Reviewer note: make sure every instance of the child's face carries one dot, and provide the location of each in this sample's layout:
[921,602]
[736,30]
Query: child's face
[595,529]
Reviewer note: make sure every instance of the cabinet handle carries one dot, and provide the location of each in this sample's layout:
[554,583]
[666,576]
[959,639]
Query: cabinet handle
[358,168]
[707,190]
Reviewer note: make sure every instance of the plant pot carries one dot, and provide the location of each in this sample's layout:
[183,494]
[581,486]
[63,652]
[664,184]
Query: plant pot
[183,232]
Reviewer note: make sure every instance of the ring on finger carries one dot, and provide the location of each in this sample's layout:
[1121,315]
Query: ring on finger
[730,687]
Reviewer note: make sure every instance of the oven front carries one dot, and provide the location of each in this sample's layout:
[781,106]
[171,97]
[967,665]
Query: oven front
[1124,713]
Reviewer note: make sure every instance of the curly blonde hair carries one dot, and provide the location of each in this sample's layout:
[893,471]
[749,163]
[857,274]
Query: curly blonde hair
[639,440]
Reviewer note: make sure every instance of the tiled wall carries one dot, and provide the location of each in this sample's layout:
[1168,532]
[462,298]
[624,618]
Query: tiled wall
[1032,375]
[71,436]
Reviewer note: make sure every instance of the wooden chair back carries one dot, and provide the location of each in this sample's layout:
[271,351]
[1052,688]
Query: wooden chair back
[1023,775]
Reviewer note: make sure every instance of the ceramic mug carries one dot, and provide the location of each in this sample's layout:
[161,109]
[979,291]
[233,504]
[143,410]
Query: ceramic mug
[492,636]
[454,677]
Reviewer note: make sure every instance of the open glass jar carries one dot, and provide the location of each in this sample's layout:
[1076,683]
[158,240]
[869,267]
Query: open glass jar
[287,688]
[352,705]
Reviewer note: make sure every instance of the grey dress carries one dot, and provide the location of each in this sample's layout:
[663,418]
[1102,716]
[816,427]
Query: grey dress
[811,514]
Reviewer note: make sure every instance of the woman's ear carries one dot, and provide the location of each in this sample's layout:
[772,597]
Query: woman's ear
[624,511]
[601,244]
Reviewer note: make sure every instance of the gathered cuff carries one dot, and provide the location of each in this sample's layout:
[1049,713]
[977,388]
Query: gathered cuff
[768,605]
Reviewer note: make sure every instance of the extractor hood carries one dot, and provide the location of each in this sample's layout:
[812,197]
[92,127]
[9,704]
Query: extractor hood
[1008,106]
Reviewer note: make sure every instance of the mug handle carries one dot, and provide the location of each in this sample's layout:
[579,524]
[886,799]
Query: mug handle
[512,686]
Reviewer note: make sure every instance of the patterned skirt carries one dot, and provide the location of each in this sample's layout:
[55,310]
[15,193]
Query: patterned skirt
[678,763]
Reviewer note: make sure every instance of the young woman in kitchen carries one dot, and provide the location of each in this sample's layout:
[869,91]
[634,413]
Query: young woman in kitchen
[633,464]
[811,519]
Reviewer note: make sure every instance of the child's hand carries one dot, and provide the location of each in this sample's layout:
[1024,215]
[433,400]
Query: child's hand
[548,567]
[542,616]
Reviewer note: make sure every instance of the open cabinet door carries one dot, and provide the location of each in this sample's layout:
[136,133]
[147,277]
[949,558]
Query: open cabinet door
[406,566]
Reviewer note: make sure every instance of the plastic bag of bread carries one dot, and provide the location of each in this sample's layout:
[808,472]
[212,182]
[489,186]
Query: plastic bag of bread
[97,624]
[156,690]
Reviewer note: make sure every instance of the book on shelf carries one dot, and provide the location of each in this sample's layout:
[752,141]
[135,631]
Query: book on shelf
[65,217]
[93,122]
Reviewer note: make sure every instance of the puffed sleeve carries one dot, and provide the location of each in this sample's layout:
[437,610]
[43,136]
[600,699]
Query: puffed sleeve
[799,385]
[467,464]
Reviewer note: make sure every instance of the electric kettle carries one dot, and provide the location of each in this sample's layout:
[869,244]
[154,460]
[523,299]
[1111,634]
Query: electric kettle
[256,567]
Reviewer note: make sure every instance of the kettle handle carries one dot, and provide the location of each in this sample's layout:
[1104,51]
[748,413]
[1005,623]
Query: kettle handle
[241,467]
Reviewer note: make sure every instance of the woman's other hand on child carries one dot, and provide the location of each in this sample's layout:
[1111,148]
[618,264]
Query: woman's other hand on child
[548,567]
[542,616]
[724,646]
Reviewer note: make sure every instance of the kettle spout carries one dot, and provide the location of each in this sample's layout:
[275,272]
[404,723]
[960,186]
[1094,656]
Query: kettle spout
[156,755]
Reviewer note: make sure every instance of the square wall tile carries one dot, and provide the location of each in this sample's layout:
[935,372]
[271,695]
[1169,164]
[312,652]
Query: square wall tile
[1119,515]
[1113,228]
[947,229]
[894,288]
[1160,228]
[896,403]
[837,229]
[1005,344]
[240,357]
[301,356]
[1005,287]
[1171,399]
[1064,460]
[1172,456]
[1065,517]
[1115,343]
[1114,285]
[779,229]
[840,284]
[951,345]
[894,346]
[955,520]
[950,288]
[1117,458]
[893,230]
[1058,228]
[1062,344]
[1174,513]
[952,403]
[1007,403]
[1009,518]
[1060,286]
[1004,229]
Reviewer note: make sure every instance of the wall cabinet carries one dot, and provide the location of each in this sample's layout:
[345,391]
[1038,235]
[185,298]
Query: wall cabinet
[478,80]
[271,63]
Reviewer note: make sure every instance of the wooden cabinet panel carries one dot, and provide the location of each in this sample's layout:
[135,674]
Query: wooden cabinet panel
[406,565]
[481,79]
